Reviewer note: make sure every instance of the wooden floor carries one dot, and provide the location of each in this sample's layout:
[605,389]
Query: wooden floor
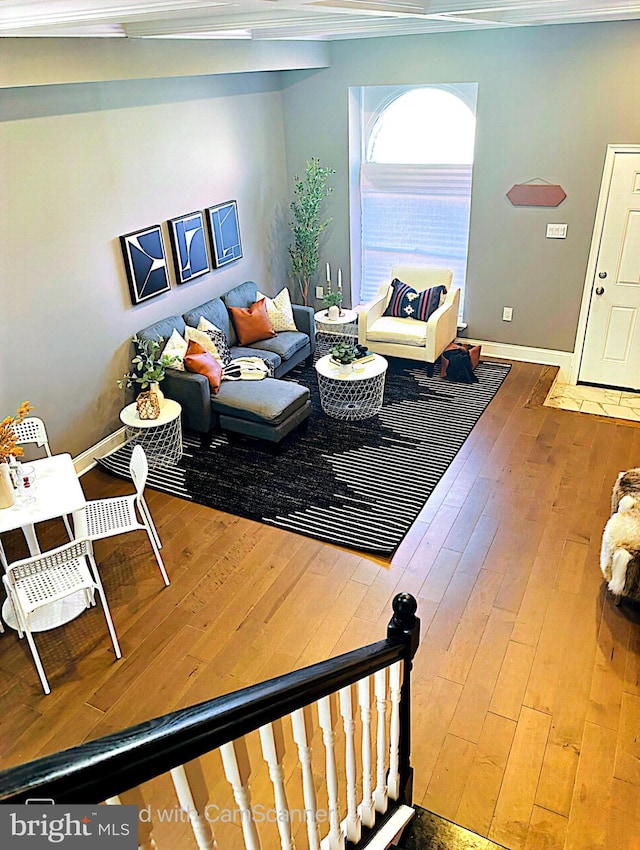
[527,681]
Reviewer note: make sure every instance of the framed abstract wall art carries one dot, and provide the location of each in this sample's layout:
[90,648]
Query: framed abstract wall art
[224,233]
[145,262]
[188,243]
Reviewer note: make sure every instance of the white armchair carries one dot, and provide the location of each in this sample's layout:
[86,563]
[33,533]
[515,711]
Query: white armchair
[410,338]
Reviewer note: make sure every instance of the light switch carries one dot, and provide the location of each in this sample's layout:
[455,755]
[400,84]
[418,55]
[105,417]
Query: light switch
[556,231]
[319,292]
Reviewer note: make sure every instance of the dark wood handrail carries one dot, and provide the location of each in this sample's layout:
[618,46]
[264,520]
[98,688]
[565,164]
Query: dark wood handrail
[96,770]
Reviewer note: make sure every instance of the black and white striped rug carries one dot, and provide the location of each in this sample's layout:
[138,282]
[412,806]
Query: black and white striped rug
[356,484]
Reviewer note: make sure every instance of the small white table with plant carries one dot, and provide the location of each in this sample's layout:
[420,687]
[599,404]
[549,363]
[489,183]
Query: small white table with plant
[351,388]
[330,332]
[161,438]
[152,421]
[334,324]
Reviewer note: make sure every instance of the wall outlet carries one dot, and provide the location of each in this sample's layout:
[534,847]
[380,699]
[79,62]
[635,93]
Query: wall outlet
[556,231]
[507,314]
[319,292]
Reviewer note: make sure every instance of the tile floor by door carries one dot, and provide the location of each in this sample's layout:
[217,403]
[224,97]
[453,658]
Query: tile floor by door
[602,401]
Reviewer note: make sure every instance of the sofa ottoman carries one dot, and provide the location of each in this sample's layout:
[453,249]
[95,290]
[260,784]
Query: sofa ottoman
[267,409]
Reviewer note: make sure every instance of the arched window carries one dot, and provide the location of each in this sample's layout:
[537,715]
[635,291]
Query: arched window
[415,180]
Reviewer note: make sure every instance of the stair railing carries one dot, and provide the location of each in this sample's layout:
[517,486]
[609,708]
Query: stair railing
[377,785]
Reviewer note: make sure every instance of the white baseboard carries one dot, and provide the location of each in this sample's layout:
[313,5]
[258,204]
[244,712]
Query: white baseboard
[526,354]
[87,459]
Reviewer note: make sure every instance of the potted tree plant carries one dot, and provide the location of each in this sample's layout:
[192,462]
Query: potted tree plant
[147,372]
[309,193]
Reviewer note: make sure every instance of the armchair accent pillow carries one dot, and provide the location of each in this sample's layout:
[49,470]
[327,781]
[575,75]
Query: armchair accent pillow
[406,303]
[219,340]
[176,347]
[198,360]
[279,310]
[252,323]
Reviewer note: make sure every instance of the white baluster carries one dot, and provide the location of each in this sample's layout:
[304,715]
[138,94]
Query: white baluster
[133,797]
[335,839]
[393,778]
[193,796]
[237,769]
[367,808]
[352,820]
[272,740]
[380,691]
[301,723]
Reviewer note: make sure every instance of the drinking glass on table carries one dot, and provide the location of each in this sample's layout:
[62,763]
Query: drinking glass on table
[28,484]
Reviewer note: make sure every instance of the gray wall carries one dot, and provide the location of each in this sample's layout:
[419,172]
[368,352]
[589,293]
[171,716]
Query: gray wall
[84,162]
[550,99]
[80,165]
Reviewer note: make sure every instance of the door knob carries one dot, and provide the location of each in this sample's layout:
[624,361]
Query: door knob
[599,290]
[602,275]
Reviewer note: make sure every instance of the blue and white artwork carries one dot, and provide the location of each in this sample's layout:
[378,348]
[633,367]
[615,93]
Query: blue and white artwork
[189,247]
[145,263]
[225,233]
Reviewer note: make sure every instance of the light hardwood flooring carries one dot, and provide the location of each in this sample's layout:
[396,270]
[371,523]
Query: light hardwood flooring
[526,708]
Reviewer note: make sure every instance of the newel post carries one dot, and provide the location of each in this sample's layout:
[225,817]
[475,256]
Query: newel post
[405,626]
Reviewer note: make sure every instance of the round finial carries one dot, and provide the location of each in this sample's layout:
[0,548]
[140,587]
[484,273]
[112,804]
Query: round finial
[404,607]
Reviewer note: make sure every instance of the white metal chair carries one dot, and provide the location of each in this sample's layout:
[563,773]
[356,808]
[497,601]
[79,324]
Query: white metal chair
[49,577]
[32,430]
[117,515]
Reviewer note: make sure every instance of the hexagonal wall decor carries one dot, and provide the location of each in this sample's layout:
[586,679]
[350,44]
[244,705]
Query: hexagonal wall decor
[536,195]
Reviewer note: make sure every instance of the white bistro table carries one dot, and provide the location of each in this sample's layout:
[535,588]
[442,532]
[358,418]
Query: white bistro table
[330,332]
[160,438]
[58,492]
[356,395]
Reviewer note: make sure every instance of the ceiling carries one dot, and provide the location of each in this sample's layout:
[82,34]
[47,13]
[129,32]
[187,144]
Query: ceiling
[293,19]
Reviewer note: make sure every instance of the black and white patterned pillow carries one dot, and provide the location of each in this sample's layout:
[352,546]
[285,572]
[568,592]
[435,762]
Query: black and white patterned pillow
[219,340]
[406,303]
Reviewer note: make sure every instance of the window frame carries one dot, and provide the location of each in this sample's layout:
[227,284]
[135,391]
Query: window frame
[366,105]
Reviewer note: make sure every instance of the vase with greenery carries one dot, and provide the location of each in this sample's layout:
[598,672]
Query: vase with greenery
[332,299]
[307,225]
[9,449]
[148,366]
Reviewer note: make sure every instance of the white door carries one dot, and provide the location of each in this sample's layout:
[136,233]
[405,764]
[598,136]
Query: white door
[611,353]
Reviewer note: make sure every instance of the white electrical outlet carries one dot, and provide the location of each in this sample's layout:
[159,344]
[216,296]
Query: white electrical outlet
[507,314]
[319,292]
[556,231]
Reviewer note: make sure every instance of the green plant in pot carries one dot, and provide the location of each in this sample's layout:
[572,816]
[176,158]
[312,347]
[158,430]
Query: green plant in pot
[344,353]
[332,299]
[148,366]
[307,226]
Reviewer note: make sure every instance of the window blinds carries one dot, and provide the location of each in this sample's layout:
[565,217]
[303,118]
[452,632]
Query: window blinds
[413,215]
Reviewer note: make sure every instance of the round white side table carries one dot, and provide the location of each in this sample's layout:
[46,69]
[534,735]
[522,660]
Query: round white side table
[330,332]
[160,438]
[356,395]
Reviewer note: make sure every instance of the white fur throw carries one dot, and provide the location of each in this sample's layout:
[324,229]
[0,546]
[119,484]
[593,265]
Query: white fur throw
[621,537]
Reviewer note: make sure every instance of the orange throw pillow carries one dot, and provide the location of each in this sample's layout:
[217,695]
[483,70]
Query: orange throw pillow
[197,359]
[252,323]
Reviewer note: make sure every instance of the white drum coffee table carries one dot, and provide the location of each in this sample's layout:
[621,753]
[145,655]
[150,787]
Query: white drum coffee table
[160,438]
[356,395]
[330,332]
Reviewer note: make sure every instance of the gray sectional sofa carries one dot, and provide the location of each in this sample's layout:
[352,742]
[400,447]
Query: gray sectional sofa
[267,409]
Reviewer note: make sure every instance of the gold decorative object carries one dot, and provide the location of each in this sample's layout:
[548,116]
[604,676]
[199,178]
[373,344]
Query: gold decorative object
[148,405]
